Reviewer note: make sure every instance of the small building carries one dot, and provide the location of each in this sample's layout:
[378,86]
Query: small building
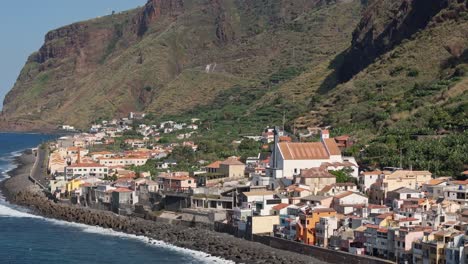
[232,168]
[325,229]
[367,178]
[123,198]
[176,181]
[316,179]
[318,200]
[306,226]
[402,193]
[345,202]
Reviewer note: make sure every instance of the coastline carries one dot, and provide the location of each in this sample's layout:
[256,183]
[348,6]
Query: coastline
[18,177]
[19,190]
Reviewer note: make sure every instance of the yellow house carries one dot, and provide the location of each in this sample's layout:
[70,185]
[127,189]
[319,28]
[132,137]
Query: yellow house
[397,179]
[74,185]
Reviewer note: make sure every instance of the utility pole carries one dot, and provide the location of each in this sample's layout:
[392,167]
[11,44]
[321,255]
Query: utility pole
[284,119]
[401,159]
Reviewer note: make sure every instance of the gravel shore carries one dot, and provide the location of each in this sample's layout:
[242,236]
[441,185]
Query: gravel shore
[19,190]
[19,180]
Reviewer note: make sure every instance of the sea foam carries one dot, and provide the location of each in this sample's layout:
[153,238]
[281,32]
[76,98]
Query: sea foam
[7,211]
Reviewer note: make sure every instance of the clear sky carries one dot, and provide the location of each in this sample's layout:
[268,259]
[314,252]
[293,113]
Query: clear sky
[23,25]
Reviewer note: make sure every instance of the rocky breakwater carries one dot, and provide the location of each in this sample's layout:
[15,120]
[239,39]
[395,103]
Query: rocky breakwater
[216,244]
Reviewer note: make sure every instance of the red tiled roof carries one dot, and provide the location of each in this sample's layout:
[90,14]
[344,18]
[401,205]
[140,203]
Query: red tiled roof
[232,161]
[343,194]
[465,182]
[214,165]
[343,137]
[303,151]
[85,165]
[383,216]
[332,147]
[316,173]
[280,206]
[122,190]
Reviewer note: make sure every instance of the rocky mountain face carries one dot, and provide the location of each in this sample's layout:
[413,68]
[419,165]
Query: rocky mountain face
[170,56]
[384,25]
[323,61]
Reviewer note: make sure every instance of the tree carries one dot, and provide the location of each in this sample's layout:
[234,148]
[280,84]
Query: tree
[342,176]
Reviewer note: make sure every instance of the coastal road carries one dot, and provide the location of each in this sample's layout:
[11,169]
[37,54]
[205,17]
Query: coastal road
[38,171]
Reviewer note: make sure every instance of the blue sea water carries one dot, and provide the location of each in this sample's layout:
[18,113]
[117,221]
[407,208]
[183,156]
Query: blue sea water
[27,238]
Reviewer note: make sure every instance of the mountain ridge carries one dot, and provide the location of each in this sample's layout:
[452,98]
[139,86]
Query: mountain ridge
[306,59]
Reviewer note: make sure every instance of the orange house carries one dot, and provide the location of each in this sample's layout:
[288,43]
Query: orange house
[305,228]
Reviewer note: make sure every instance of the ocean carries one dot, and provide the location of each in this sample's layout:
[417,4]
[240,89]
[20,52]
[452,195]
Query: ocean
[27,238]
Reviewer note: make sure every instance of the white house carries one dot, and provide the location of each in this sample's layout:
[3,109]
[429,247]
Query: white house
[346,202]
[367,178]
[86,170]
[249,199]
[289,158]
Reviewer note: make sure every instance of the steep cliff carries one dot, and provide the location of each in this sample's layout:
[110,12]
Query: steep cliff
[173,56]
[385,24]
[406,67]
[359,65]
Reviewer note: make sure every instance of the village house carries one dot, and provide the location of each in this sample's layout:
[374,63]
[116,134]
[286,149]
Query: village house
[135,143]
[248,200]
[435,187]
[296,191]
[86,170]
[96,156]
[306,226]
[397,179]
[344,142]
[123,200]
[213,167]
[345,202]
[232,168]
[316,179]
[317,201]
[402,193]
[176,181]
[123,161]
[333,189]
[324,229]
[367,178]
[457,192]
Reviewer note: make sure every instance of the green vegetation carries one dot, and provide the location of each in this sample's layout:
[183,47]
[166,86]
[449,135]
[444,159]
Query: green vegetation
[343,176]
[268,63]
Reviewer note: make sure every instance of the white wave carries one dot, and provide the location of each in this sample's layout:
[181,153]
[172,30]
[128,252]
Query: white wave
[6,211]
[201,256]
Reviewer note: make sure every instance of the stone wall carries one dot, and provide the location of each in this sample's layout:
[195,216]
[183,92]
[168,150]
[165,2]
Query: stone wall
[328,255]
